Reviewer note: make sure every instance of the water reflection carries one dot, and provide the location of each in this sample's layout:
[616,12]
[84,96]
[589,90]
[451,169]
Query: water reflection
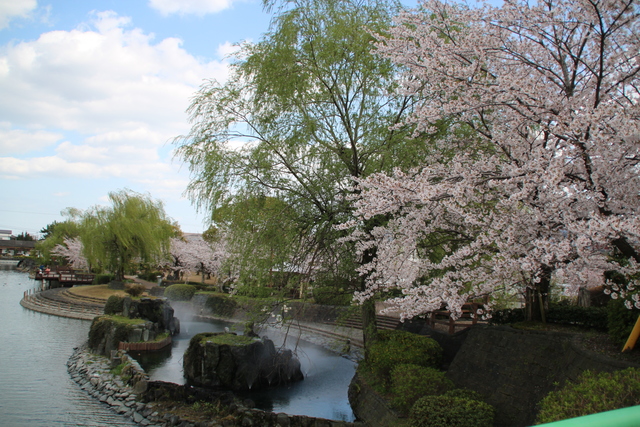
[322,394]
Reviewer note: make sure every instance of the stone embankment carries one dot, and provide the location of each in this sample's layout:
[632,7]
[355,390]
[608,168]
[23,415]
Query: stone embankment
[94,374]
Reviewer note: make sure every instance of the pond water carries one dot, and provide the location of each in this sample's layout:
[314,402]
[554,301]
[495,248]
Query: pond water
[322,394]
[36,390]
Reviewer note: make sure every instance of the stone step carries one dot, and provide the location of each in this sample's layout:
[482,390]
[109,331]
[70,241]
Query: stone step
[383,322]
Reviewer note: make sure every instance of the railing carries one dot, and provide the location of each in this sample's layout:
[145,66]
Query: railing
[625,417]
[144,346]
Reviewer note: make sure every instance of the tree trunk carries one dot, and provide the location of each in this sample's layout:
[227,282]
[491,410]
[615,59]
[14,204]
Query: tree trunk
[537,298]
[369,325]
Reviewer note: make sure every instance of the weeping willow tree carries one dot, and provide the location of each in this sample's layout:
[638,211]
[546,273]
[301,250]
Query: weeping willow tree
[134,229]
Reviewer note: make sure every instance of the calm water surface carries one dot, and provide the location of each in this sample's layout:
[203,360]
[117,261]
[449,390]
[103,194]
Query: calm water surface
[35,389]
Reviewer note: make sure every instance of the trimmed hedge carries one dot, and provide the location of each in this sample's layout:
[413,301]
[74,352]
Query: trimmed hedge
[620,320]
[114,305]
[411,382]
[587,317]
[135,289]
[441,411]
[221,305]
[331,295]
[591,394]
[254,291]
[394,348]
[180,292]
[103,279]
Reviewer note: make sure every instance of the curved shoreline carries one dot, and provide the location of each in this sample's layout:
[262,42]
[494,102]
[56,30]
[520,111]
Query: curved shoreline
[93,374]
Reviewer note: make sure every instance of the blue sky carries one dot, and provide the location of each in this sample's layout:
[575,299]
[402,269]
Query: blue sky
[93,91]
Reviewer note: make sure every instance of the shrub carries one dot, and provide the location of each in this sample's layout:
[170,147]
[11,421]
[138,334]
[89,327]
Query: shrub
[591,394]
[113,305]
[151,276]
[331,295]
[398,347]
[411,382]
[507,316]
[620,320]
[587,317]
[135,289]
[464,393]
[221,305]
[103,279]
[439,411]
[253,291]
[180,292]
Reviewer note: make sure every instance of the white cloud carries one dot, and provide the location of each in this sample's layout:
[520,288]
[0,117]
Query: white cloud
[188,7]
[106,93]
[19,141]
[10,9]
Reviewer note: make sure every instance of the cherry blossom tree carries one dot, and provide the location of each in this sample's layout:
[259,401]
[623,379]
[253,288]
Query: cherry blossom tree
[197,255]
[72,250]
[538,179]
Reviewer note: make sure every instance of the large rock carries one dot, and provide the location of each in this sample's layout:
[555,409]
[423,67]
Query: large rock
[151,318]
[238,362]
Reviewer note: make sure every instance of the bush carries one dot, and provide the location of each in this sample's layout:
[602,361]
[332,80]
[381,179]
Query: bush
[151,276]
[440,411]
[398,347]
[620,320]
[114,305]
[221,305]
[180,292]
[135,289]
[411,382]
[587,317]
[591,394]
[507,316]
[254,291]
[103,279]
[331,295]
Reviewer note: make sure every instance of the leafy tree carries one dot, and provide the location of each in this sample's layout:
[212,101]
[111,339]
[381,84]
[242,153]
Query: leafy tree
[25,236]
[549,186]
[56,233]
[307,110]
[134,228]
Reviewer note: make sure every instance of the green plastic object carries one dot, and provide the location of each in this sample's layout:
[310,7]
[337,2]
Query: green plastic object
[625,417]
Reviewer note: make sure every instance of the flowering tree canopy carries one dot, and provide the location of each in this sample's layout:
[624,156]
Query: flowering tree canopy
[538,178]
[196,255]
[72,250]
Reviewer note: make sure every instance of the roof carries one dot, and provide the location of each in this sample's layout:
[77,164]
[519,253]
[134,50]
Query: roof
[26,244]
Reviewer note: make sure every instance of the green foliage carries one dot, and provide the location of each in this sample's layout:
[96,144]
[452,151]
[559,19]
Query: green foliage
[464,394]
[134,227]
[150,276]
[254,291]
[394,348]
[114,305]
[180,292]
[221,305]
[586,317]
[620,320]
[332,295]
[411,382]
[507,316]
[591,394]
[135,289]
[563,314]
[441,411]
[103,279]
